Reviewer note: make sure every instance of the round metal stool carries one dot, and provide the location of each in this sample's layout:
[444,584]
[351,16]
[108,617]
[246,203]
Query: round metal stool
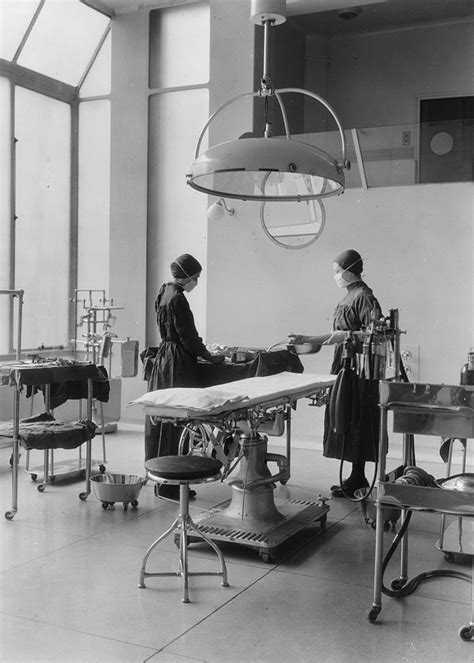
[183,471]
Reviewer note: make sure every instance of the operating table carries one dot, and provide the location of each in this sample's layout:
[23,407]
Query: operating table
[238,411]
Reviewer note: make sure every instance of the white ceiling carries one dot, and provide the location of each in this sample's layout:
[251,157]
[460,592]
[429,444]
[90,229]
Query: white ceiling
[322,15]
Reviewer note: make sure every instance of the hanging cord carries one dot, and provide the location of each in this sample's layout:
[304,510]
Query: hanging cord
[404,377]
[374,443]
[411,586]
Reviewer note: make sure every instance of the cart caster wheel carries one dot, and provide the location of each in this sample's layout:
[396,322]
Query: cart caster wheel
[125,507]
[398,584]
[9,515]
[83,496]
[102,469]
[373,613]
[34,477]
[52,480]
[449,557]
[10,462]
[134,504]
[466,633]
[41,487]
[105,506]
[373,524]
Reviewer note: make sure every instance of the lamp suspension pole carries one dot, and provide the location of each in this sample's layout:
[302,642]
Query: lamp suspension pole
[266,82]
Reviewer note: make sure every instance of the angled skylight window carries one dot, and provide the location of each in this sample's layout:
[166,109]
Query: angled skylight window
[63,40]
[15,18]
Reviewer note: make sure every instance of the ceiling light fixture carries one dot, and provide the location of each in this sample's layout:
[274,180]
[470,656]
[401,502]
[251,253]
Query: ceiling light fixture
[267,168]
[217,209]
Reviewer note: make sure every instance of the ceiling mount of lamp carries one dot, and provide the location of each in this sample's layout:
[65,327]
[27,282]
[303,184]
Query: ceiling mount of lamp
[268,168]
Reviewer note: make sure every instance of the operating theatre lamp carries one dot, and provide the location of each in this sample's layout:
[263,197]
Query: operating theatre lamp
[268,168]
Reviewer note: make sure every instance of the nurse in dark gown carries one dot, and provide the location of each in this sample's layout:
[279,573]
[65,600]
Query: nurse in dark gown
[176,359]
[355,312]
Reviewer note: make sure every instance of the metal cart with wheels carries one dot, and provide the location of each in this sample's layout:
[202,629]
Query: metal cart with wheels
[423,409]
[69,468]
[29,374]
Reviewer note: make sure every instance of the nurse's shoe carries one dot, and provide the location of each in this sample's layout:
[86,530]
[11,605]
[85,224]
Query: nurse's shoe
[348,489]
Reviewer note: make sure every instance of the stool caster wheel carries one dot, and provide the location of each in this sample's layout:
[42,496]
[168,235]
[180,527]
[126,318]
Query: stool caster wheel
[34,477]
[102,469]
[9,515]
[41,487]
[134,504]
[83,496]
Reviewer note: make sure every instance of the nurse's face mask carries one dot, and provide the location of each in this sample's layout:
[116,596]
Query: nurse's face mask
[193,280]
[340,280]
[344,277]
[191,284]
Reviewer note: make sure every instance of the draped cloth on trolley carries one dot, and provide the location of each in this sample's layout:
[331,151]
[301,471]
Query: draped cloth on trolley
[44,432]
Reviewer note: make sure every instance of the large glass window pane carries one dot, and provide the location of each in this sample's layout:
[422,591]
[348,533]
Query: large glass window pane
[97,81]
[63,40]
[43,133]
[15,18]
[179,46]
[5,175]
[94,199]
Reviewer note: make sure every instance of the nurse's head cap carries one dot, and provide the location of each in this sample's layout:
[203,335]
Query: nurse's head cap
[185,266]
[351,261]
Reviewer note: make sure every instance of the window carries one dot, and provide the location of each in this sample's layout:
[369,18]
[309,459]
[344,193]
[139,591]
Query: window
[54,135]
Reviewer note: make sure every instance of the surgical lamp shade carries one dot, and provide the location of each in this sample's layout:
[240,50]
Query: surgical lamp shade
[268,168]
[273,169]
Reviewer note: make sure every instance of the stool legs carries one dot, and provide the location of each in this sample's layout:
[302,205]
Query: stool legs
[183,522]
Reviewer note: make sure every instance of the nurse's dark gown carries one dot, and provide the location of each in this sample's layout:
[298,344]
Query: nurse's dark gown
[354,313]
[175,363]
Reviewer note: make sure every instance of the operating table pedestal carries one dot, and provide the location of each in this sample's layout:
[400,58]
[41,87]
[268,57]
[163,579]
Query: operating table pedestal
[253,517]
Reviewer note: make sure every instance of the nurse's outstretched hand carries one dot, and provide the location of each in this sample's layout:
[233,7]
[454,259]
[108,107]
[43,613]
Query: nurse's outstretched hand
[297,339]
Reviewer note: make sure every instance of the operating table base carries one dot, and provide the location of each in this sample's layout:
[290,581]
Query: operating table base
[263,534]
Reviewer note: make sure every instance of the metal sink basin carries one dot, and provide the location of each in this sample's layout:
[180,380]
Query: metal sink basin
[430,409]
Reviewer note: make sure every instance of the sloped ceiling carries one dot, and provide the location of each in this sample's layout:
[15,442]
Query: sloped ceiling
[322,15]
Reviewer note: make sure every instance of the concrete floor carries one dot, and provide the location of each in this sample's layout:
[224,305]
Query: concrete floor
[70,569]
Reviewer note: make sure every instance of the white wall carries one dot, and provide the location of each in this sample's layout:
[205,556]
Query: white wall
[375,80]
[417,244]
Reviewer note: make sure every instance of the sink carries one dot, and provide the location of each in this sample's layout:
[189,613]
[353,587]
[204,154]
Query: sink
[430,409]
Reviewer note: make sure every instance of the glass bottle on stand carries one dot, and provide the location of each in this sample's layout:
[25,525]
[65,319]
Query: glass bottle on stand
[467,370]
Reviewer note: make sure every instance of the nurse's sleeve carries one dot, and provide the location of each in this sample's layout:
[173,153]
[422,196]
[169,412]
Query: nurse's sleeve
[186,329]
[367,307]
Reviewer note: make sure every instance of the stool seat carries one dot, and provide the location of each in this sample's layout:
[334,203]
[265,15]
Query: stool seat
[182,471]
[183,468]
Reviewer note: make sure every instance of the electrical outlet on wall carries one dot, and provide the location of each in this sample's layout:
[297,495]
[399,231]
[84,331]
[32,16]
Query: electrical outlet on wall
[410,356]
[406,138]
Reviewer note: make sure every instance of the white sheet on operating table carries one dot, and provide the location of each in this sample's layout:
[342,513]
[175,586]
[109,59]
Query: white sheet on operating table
[182,403]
